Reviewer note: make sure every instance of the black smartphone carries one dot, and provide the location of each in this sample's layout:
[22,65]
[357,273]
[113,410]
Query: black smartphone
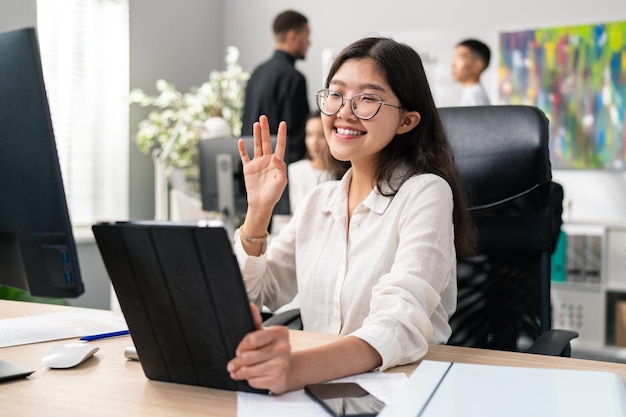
[343,399]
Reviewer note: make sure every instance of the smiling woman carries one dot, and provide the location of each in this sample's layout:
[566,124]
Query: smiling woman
[399,203]
[84,51]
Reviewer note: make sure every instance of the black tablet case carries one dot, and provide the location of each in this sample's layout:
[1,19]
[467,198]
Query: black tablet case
[181,292]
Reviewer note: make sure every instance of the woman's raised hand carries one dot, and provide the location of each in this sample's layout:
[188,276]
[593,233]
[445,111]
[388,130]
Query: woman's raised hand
[265,175]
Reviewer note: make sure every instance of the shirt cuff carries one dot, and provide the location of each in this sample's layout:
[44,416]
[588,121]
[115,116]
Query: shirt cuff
[387,344]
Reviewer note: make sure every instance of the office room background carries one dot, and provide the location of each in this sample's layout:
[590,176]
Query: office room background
[182,41]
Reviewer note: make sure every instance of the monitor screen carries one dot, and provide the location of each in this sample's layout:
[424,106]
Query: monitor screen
[221,178]
[37,248]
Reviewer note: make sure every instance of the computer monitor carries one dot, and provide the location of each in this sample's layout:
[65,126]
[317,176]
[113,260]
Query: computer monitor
[37,247]
[221,178]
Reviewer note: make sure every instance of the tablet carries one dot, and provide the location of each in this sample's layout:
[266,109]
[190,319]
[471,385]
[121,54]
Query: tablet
[181,292]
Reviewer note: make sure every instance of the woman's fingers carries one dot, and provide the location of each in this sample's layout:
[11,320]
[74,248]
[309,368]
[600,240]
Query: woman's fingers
[258,148]
[271,374]
[266,138]
[263,338]
[261,346]
[256,315]
[243,152]
[263,138]
[281,141]
[264,174]
[263,358]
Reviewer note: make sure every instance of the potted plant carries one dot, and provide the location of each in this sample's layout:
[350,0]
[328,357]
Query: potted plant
[178,121]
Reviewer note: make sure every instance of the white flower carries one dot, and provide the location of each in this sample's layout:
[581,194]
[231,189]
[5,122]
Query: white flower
[232,56]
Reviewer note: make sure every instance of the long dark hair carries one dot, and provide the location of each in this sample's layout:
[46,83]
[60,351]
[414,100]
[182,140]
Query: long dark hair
[425,148]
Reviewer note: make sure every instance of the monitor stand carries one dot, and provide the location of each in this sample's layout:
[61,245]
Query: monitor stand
[225,186]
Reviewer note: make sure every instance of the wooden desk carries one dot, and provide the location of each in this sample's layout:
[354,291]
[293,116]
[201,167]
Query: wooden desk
[109,385]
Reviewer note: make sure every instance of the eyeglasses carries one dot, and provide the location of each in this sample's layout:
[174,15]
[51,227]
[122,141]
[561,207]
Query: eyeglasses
[364,106]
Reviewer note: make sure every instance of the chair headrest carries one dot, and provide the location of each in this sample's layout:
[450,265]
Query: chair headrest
[501,151]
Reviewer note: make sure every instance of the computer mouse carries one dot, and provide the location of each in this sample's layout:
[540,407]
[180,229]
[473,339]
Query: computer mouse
[69,355]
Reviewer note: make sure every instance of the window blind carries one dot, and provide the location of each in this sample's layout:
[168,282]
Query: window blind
[85,58]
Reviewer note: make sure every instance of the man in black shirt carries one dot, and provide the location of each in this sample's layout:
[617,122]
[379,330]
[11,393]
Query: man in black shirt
[277,89]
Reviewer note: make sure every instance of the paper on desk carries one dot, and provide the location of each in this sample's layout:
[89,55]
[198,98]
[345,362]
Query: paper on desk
[381,385]
[56,326]
[446,389]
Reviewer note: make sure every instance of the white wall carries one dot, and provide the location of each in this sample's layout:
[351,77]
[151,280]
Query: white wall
[17,14]
[433,28]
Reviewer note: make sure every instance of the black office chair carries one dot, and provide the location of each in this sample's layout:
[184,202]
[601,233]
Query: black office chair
[504,291]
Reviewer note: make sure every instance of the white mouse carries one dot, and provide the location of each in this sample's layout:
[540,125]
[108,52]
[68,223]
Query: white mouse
[69,355]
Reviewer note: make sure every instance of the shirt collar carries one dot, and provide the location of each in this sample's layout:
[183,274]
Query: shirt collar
[285,56]
[375,201]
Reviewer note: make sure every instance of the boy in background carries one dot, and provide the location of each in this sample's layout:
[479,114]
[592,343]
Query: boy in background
[471,57]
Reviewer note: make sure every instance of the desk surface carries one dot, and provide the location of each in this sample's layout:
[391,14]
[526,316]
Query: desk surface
[109,385]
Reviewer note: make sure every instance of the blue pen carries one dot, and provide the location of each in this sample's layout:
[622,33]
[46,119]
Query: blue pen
[104,335]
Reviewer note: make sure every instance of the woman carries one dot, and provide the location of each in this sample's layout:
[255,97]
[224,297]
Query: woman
[372,256]
[307,173]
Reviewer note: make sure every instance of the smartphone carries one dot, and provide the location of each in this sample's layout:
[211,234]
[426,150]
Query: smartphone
[343,399]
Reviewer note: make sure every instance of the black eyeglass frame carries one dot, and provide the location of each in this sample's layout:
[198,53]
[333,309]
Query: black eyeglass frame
[343,101]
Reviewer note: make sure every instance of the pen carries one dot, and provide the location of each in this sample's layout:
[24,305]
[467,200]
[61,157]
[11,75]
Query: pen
[104,335]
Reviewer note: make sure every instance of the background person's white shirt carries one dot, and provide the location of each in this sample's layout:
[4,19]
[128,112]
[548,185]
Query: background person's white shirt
[474,95]
[302,179]
[390,281]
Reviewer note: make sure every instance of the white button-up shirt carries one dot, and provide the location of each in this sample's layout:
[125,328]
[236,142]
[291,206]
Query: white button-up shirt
[387,277]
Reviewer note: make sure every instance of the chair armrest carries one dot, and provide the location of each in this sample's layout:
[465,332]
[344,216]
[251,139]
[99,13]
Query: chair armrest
[289,318]
[554,343]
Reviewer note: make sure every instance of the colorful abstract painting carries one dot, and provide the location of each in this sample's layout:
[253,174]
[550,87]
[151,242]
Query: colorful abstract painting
[577,76]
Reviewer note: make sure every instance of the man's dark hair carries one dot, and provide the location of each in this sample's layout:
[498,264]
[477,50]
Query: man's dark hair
[479,49]
[288,20]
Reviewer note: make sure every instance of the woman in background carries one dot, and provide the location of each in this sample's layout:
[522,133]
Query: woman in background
[306,174]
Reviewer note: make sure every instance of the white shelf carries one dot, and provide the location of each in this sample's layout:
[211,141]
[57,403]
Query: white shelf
[584,306]
[578,286]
